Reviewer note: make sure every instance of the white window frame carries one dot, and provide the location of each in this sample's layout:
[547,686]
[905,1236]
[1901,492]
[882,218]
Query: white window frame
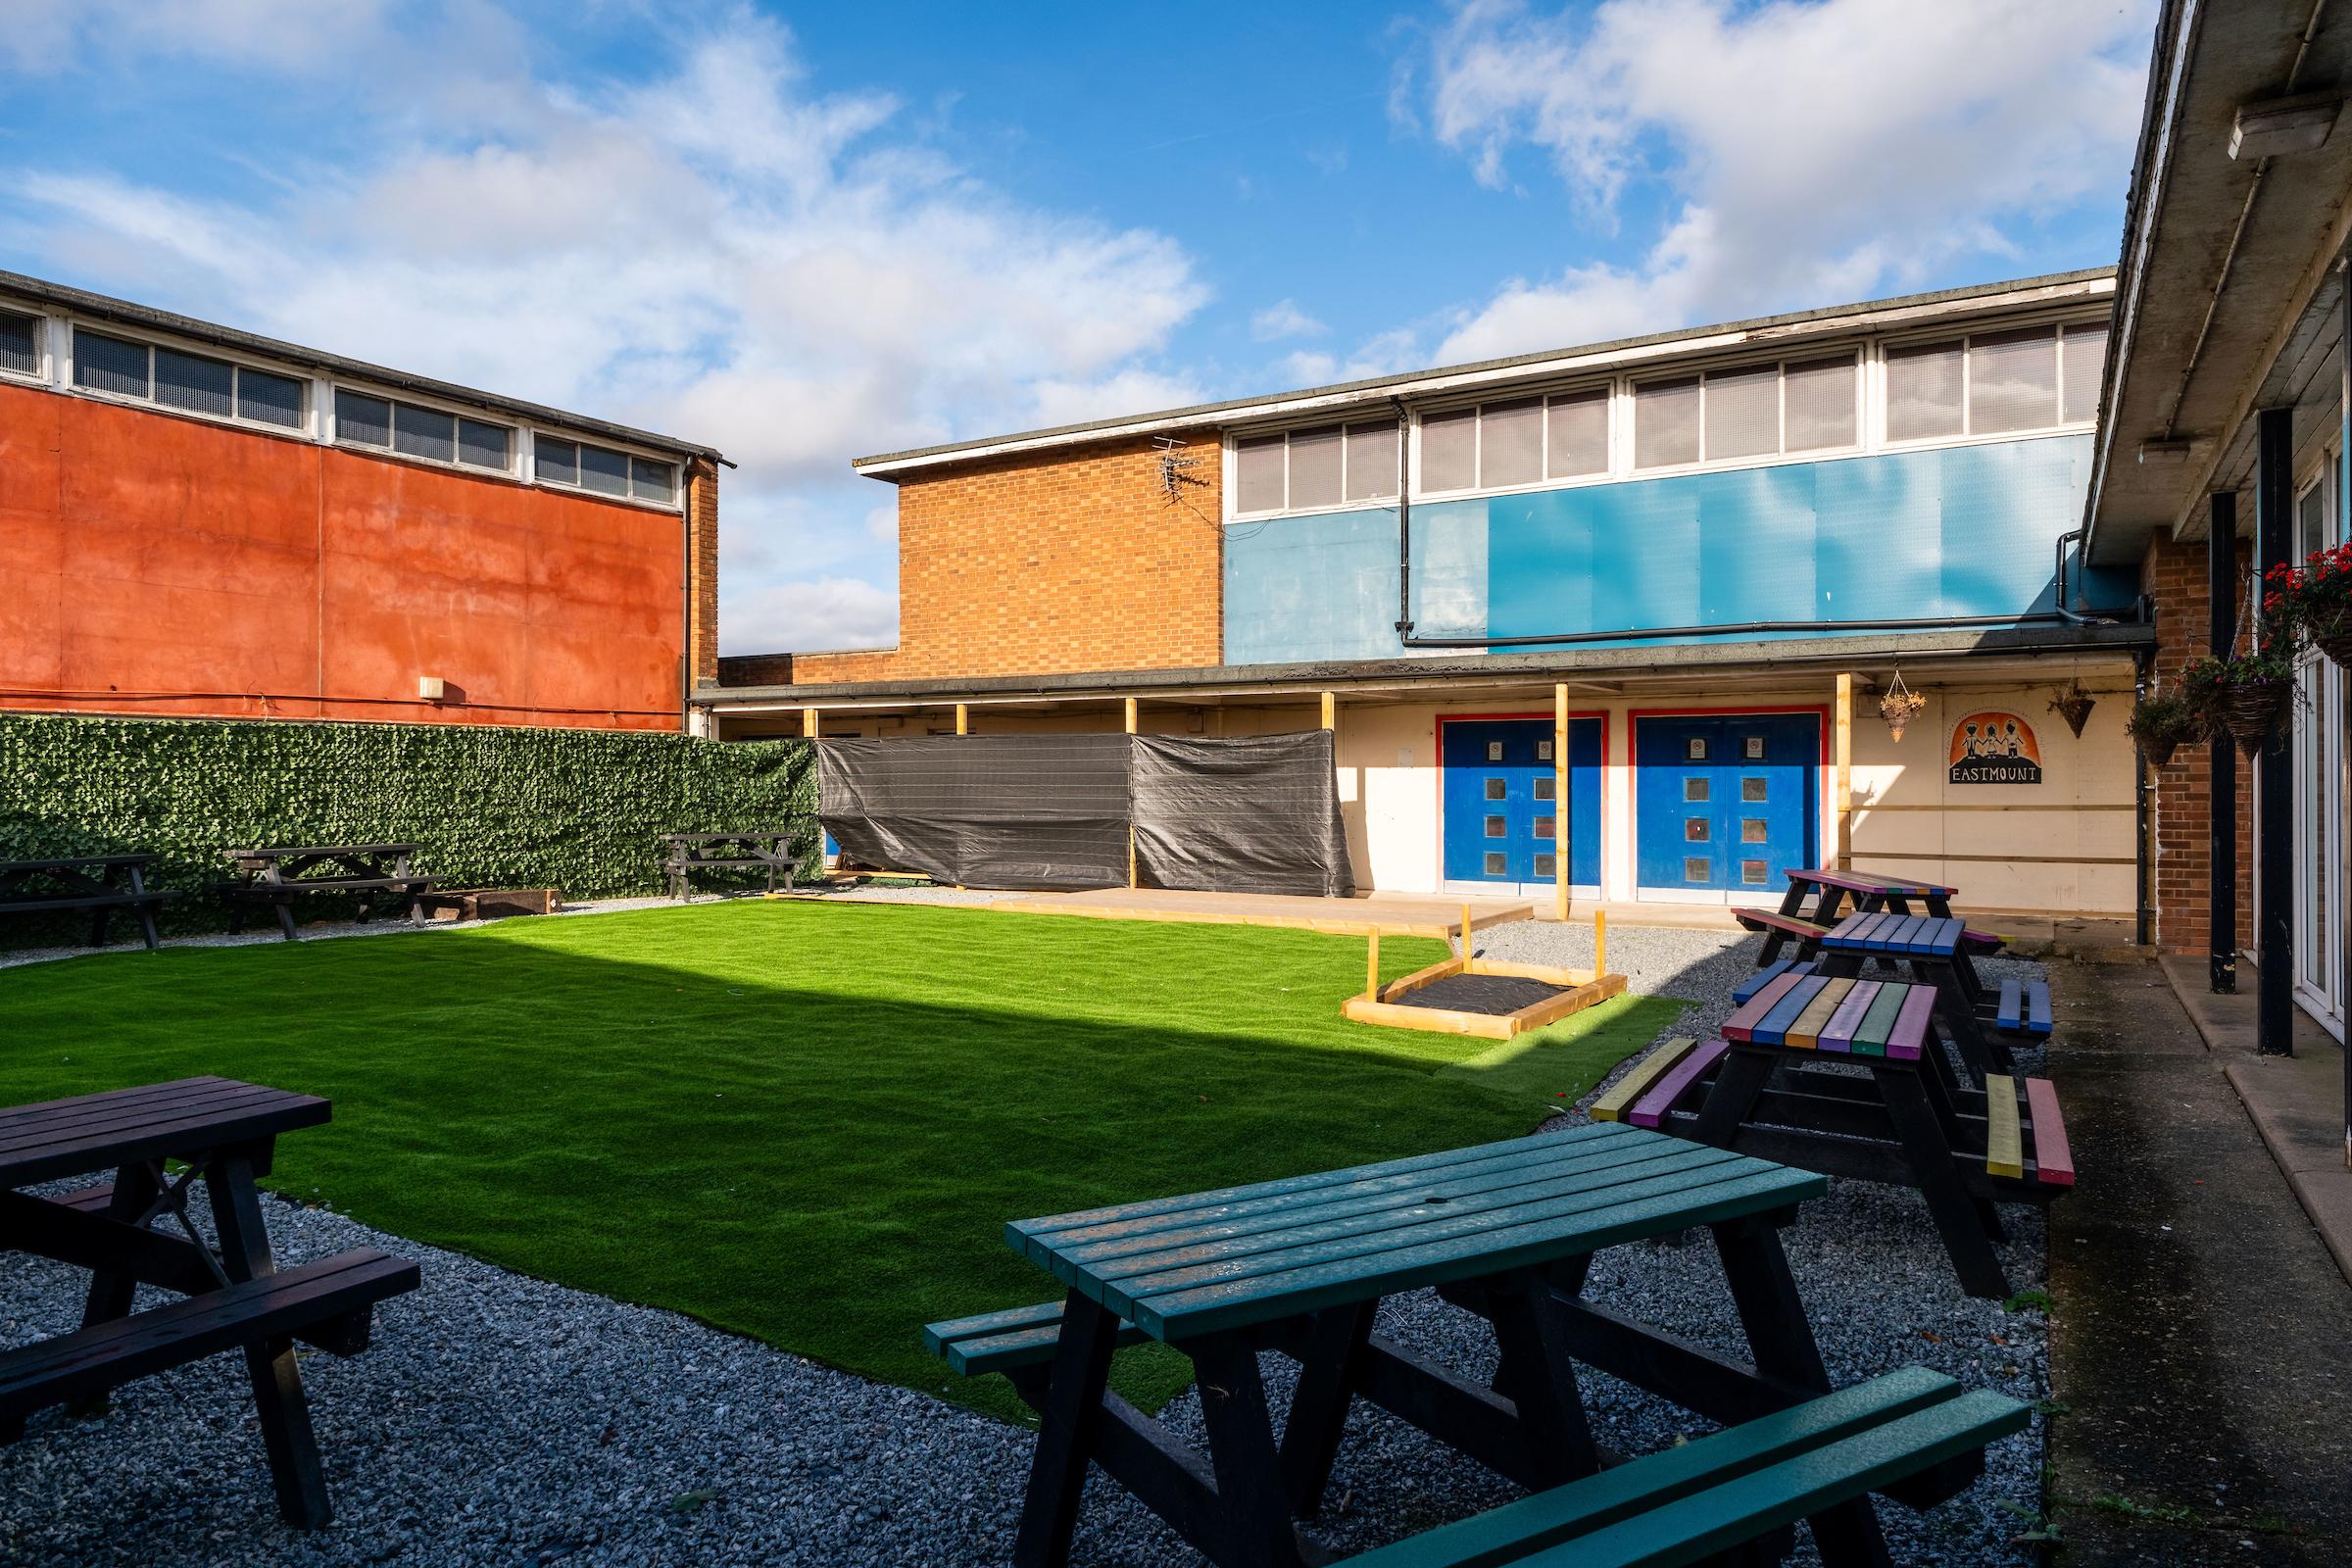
[2318,725]
[1232,457]
[331,424]
[44,346]
[676,466]
[1478,439]
[61,335]
[1758,460]
[2058,322]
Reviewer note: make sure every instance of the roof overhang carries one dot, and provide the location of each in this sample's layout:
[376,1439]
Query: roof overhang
[1838,321]
[2228,297]
[1593,668]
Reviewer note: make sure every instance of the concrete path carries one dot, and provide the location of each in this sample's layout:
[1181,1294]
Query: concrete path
[2201,1345]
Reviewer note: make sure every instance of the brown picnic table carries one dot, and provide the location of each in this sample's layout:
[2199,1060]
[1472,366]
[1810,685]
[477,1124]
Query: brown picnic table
[1816,901]
[775,852]
[1781,1085]
[1506,1231]
[98,884]
[153,1143]
[278,875]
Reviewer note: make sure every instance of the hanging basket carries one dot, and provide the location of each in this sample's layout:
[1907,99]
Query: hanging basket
[1899,709]
[2159,753]
[2251,713]
[2073,705]
[2336,644]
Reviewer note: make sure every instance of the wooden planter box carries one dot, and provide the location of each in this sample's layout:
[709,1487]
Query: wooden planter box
[489,903]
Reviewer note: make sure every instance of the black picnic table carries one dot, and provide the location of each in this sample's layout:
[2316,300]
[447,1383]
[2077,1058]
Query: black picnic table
[778,852]
[1299,1266]
[1782,1085]
[278,875]
[100,884]
[154,1142]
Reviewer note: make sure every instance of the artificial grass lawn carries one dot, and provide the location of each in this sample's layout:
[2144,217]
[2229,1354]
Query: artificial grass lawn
[802,1121]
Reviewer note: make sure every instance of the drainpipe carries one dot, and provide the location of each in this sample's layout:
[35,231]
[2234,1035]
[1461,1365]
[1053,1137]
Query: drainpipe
[1405,524]
[2143,813]
[2073,619]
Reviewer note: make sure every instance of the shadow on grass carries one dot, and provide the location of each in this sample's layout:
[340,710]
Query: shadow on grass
[807,1123]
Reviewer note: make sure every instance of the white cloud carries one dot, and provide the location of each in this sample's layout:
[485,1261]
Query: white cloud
[807,614]
[726,254]
[1285,320]
[1306,367]
[1808,152]
[251,32]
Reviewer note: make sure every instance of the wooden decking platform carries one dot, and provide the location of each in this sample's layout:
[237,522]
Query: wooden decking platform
[1388,915]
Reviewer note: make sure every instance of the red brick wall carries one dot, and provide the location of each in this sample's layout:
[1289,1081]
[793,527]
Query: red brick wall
[701,525]
[2175,574]
[1052,563]
[167,565]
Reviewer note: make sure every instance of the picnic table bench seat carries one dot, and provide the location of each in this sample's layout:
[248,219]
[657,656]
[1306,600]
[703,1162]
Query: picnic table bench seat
[1768,920]
[1772,972]
[1006,1342]
[277,874]
[1912,1435]
[337,1295]
[95,884]
[2023,1008]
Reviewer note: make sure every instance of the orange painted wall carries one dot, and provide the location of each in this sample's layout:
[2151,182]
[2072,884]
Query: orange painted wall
[149,559]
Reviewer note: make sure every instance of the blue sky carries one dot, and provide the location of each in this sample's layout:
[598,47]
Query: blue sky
[807,232]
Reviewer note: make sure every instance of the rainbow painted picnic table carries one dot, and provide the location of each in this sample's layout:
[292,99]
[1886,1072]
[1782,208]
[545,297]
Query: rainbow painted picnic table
[1782,1085]
[1828,892]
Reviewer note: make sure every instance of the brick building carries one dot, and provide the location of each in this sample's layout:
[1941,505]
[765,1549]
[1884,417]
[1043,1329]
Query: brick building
[2220,450]
[199,521]
[1701,557]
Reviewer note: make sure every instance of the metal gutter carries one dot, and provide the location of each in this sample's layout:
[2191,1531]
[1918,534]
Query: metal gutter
[106,308]
[1789,654]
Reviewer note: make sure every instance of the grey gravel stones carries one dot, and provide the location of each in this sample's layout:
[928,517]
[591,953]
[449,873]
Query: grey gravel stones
[504,1420]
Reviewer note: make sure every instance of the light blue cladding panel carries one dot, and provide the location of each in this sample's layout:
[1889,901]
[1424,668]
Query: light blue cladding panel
[1954,531]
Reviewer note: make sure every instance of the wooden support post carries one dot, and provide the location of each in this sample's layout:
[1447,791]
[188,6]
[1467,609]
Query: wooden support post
[1466,969]
[964,719]
[1129,706]
[1331,711]
[1846,773]
[808,722]
[1600,943]
[1561,841]
[1372,967]
[2220,851]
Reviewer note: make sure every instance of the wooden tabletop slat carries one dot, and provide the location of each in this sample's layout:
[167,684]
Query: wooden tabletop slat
[1870,1040]
[33,1109]
[1864,882]
[99,1120]
[139,1124]
[1756,1008]
[1838,1034]
[1181,1266]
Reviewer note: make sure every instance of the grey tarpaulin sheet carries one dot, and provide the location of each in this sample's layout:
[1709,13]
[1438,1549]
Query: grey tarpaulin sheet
[981,811]
[1256,815]
[1253,816]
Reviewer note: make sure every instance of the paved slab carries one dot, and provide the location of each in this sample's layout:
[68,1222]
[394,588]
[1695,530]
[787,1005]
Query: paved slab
[2202,1335]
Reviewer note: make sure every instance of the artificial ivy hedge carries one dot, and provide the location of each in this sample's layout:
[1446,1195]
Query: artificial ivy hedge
[575,809]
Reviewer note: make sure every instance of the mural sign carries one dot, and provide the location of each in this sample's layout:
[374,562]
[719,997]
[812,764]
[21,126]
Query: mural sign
[1994,748]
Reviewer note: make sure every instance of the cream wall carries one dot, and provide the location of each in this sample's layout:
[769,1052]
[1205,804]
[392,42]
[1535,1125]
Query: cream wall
[2064,846]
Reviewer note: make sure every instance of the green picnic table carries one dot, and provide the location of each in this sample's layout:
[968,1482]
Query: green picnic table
[1506,1231]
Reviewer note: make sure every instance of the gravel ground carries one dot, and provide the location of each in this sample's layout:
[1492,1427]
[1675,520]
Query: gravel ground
[500,1419]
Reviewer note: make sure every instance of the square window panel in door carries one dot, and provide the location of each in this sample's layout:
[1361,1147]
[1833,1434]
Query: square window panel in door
[1547,827]
[1695,829]
[1546,865]
[1695,789]
[1752,872]
[1494,789]
[1495,827]
[1753,789]
[1495,864]
[1753,831]
[1544,788]
[1696,869]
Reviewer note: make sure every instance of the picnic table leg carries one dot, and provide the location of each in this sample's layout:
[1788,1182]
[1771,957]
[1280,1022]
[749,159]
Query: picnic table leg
[1327,1379]
[1539,1376]
[1949,1203]
[277,1395]
[111,1293]
[1740,1078]
[1067,1422]
[1242,1454]
[1779,1337]
[284,903]
[98,927]
[139,885]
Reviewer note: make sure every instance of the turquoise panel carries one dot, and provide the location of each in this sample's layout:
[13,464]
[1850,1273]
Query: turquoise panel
[1955,531]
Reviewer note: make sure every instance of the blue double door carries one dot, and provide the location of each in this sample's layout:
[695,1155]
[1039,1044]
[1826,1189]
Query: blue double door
[1724,803]
[1502,813]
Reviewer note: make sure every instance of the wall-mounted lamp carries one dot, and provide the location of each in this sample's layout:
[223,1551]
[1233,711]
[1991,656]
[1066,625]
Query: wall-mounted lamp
[431,688]
[2165,454]
[2281,125]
